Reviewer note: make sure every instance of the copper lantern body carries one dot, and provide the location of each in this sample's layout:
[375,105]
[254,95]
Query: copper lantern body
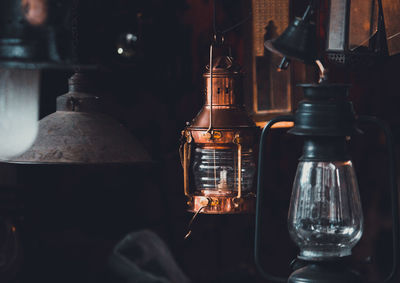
[218,146]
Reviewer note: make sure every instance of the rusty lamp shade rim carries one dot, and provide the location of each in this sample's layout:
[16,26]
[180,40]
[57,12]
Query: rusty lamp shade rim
[68,137]
[148,163]
[80,133]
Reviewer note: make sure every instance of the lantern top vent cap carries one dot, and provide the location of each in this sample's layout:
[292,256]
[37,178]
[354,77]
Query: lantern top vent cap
[224,65]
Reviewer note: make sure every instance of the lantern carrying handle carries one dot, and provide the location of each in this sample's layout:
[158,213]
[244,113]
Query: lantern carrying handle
[185,156]
[393,187]
[260,186]
[237,141]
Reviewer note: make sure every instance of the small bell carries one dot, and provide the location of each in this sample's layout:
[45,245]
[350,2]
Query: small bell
[298,41]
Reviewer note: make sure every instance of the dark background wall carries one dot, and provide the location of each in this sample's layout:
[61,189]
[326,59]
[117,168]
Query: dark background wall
[71,217]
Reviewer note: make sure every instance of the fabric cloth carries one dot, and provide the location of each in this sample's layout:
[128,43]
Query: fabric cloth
[142,257]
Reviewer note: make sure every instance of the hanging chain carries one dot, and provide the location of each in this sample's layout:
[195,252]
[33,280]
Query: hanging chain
[75,34]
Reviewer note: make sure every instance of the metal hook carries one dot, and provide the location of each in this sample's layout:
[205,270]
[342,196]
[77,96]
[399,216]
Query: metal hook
[323,72]
[191,221]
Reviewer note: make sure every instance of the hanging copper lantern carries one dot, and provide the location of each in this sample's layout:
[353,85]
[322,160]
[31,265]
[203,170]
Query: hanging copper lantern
[217,148]
[78,133]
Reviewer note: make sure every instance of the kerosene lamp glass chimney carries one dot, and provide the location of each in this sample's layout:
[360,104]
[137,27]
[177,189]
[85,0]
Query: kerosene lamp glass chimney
[19,110]
[215,169]
[325,215]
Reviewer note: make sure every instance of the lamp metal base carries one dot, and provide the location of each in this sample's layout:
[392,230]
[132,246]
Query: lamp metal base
[222,204]
[325,272]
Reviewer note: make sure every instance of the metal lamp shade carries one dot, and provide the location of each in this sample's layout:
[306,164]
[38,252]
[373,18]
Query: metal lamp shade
[77,133]
[298,41]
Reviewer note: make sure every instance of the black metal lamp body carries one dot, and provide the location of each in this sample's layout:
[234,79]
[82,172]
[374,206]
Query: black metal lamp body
[352,39]
[298,41]
[320,222]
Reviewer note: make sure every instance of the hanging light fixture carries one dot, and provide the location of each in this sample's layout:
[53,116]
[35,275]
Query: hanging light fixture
[92,155]
[356,35]
[37,35]
[33,37]
[78,133]
[298,41]
[19,110]
[325,215]
[218,146]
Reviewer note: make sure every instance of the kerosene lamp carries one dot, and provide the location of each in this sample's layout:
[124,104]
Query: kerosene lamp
[218,146]
[325,217]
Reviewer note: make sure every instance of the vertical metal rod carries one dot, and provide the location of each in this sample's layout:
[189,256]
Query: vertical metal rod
[185,169]
[239,153]
[215,172]
[371,21]
[214,21]
[211,89]
[309,10]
